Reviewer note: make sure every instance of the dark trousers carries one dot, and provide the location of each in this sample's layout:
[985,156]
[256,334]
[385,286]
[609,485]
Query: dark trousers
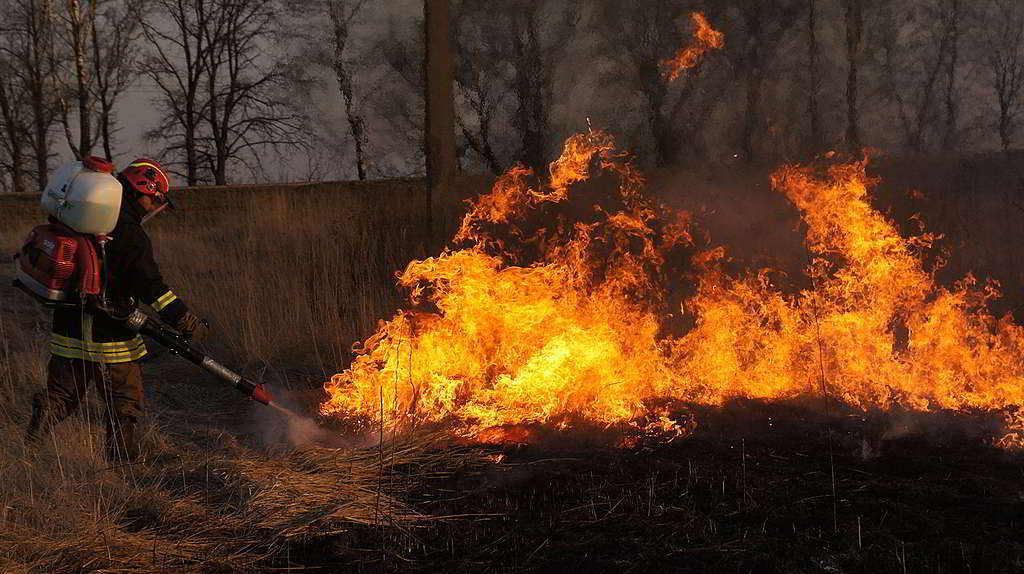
[120,386]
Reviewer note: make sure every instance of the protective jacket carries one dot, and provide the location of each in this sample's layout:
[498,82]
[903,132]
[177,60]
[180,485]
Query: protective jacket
[131,273]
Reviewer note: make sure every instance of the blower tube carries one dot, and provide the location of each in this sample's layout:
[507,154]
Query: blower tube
[139,322]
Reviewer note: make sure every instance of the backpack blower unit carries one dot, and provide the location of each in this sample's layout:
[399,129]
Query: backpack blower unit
[60,264]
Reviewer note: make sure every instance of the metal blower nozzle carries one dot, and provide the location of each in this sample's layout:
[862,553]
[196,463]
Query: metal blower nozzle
[254,391]
[261,394]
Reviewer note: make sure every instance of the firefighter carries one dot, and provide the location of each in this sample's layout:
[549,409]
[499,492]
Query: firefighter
[90,347]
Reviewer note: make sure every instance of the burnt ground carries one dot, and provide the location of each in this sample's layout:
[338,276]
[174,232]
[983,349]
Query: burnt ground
[749,491]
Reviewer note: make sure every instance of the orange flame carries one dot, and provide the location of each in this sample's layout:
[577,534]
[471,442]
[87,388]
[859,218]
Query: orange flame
[707,38]
[570,321]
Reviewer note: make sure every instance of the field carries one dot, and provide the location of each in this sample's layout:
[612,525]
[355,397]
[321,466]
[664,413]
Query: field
[291,276]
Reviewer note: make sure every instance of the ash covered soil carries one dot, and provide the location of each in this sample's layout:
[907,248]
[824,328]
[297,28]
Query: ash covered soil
[750,491]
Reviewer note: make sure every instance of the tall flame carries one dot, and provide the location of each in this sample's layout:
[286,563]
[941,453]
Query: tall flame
[706,39]
[562,305]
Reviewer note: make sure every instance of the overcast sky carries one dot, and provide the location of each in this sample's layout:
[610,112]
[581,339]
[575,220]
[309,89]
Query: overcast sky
[137,113]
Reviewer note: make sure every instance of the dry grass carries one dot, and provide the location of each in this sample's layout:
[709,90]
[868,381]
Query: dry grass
[186,511]
[290,278]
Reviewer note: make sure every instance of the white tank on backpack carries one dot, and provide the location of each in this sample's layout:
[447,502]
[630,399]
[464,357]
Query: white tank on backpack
[84,196]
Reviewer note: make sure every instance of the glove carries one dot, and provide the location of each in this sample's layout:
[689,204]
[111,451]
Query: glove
[192,327]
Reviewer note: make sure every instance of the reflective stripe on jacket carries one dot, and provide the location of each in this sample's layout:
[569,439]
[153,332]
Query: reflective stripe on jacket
[164,300]
[119,352]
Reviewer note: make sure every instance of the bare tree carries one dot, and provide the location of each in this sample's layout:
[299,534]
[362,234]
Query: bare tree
[177,66]
[916,61]
[757,37]
[1003,43]
[115,48]
[813,77]
[483,98]
[245,111]
[641,35]
[483,82]
[26,48]
[69,27]
[854,45]
[342,15]
[326,43]
[538,41]
[328,39]
[221,90]
[506,64]
[93,59]
[14,130]
[952,14]
[400,102]
[63,64]
[511,49]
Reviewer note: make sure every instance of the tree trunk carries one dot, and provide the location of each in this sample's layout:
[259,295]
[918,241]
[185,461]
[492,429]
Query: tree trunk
[355,119]
[215,111]
[482,146]
[194,62]
[78,42]
[523,87]
[19,179]
[13,137]
[535,137]
[949,138]
[1005,129]
[105,130]
[754,81]
[102,88]
[38,79]
[813,80]
[220,166]
[191,157]
[659,120]
[666,147]
[854,33]
[355,124]
[440,117]
[530,85]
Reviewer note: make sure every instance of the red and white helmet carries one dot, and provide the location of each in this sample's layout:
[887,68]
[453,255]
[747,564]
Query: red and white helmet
[148,177]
